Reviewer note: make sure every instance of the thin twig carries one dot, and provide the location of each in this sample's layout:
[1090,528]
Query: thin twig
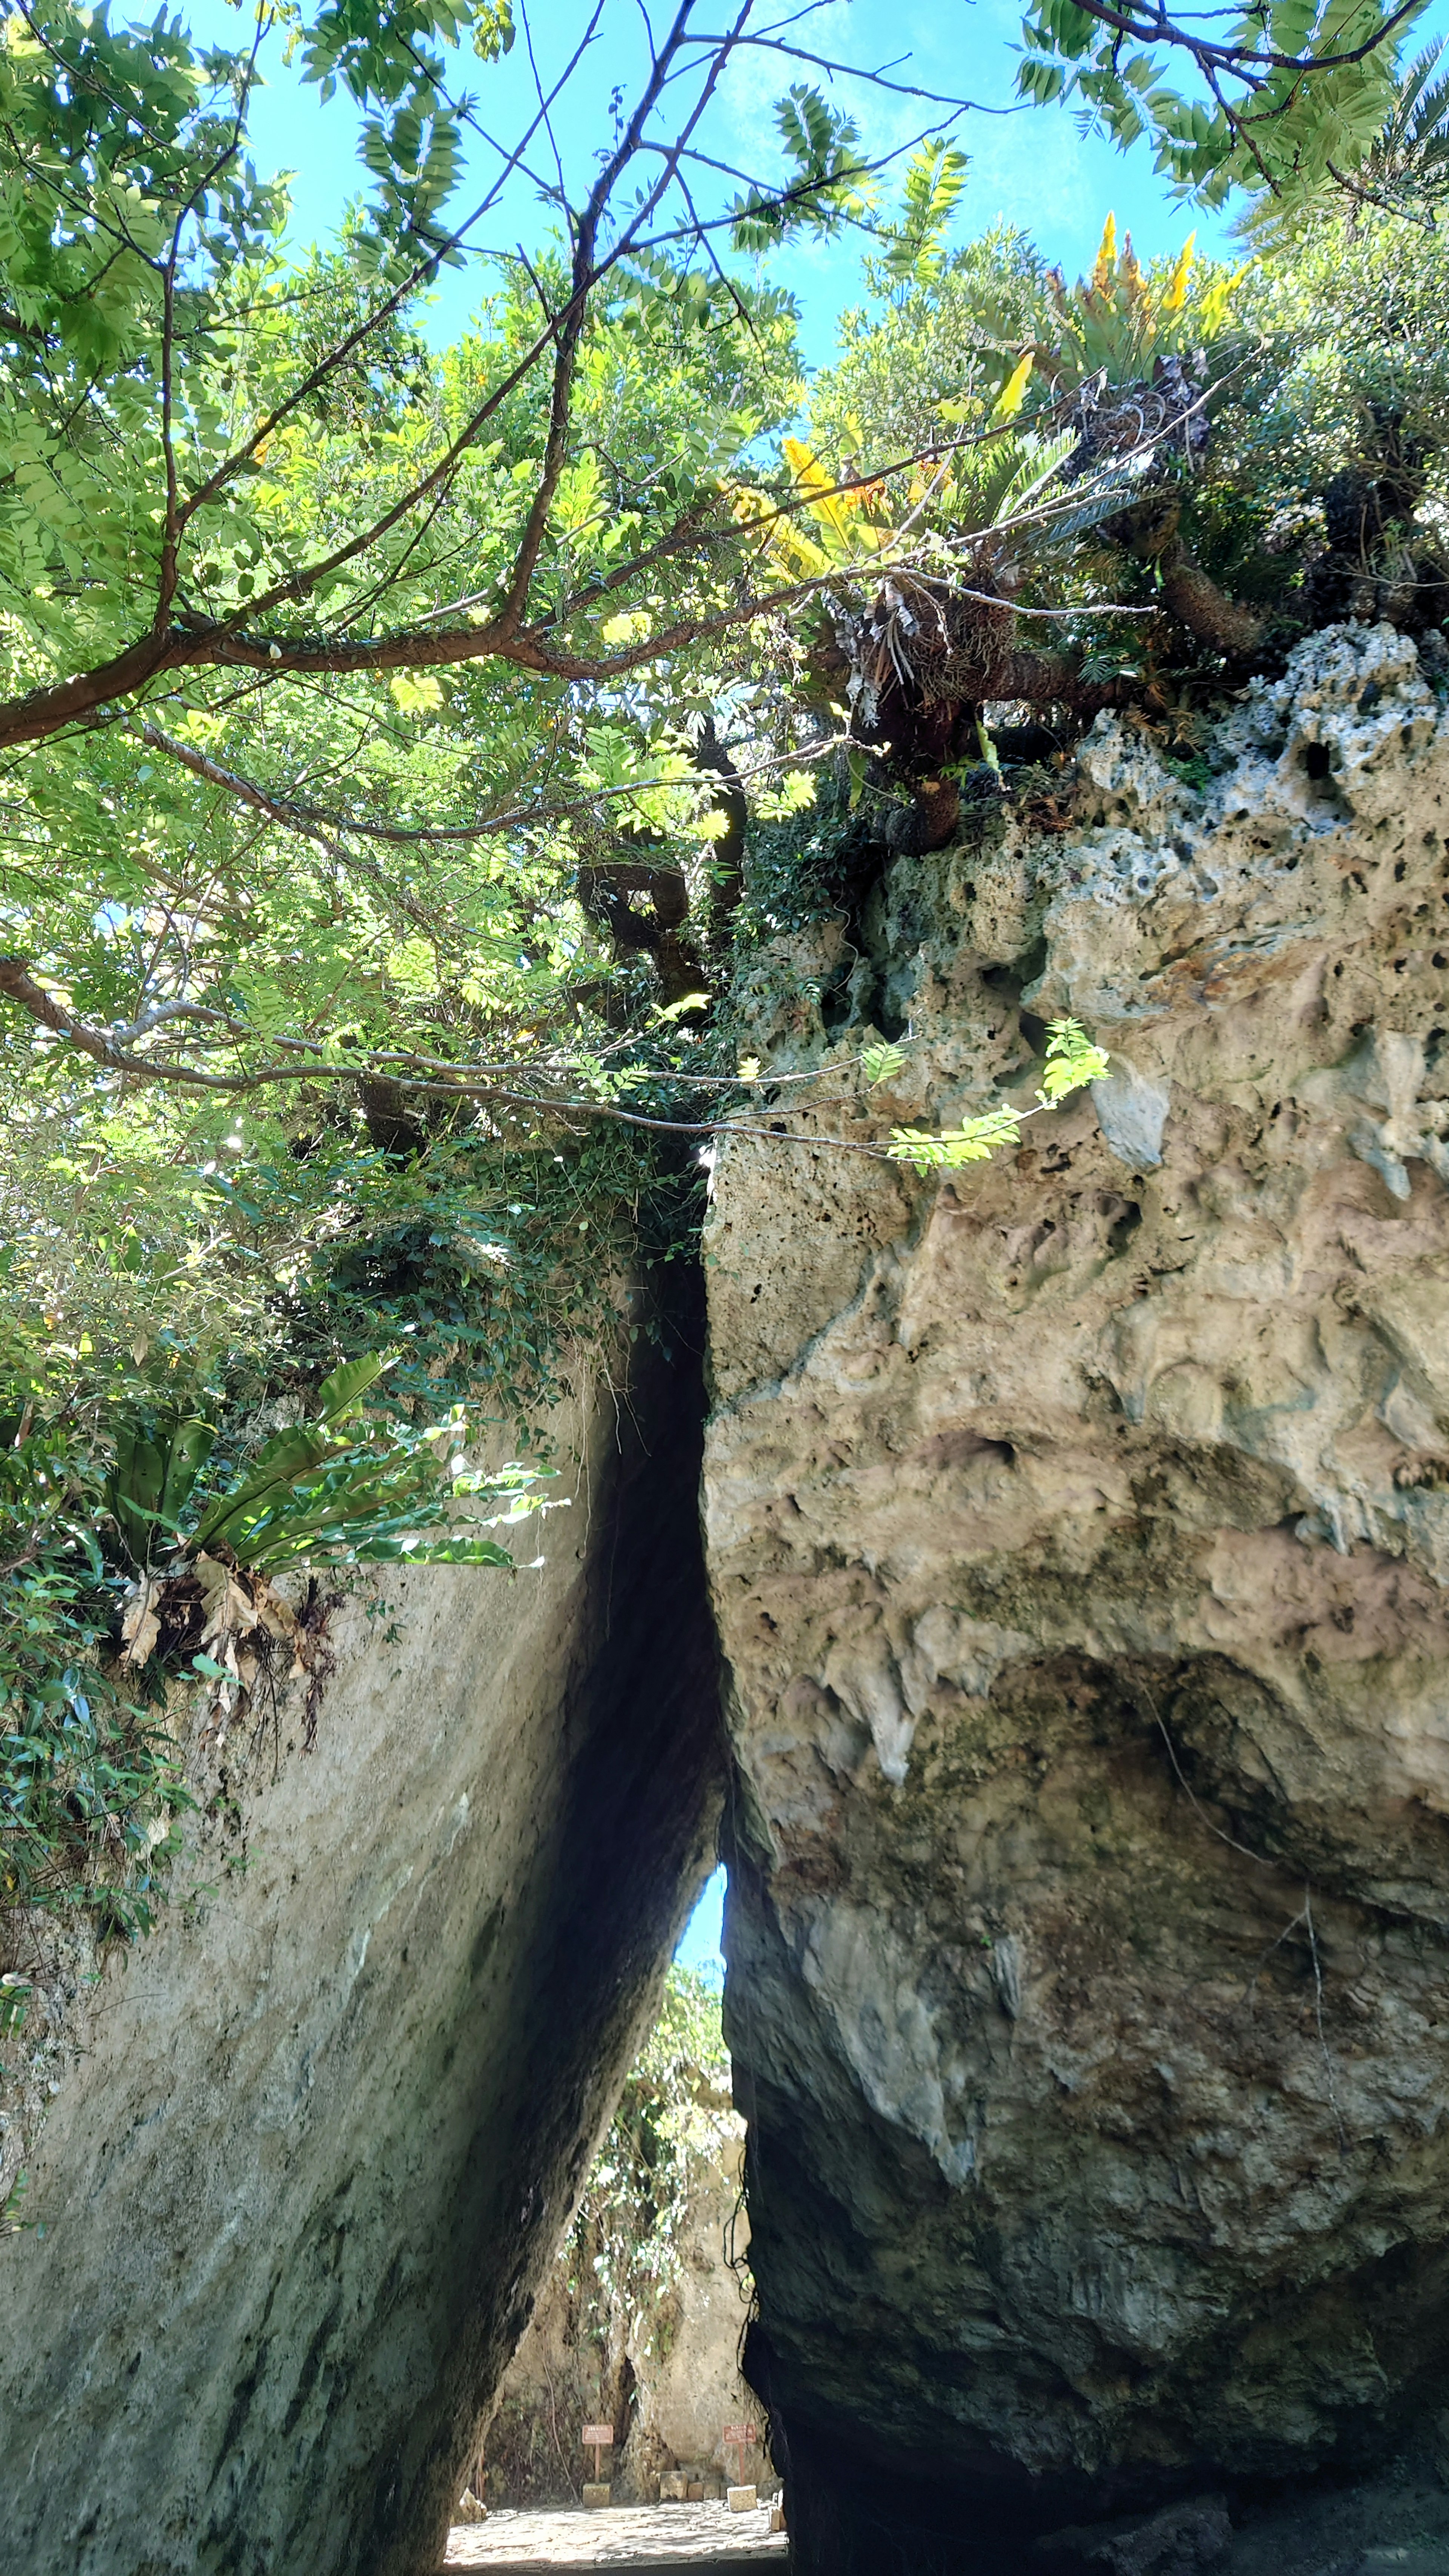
[1193,1800]
[1303,1916]
[1318,2016]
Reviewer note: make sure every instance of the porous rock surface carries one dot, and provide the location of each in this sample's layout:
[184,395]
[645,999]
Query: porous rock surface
[1078,1530]
[312,2144]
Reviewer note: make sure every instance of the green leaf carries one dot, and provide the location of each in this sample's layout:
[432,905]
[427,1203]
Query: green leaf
[882,1063]
[346,1385]
[1071,1061]
[975,1141]
[191,1444]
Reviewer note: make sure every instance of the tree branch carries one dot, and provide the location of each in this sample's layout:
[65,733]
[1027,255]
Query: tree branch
[568,326]
[463,1082]
[1154,27]
[419,276]
[306,820]
[19,986]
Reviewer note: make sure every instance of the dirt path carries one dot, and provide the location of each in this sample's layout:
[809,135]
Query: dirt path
[657,2536]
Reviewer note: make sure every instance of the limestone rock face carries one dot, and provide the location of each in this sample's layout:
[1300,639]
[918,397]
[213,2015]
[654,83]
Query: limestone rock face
[1079,1536]
[320,2133]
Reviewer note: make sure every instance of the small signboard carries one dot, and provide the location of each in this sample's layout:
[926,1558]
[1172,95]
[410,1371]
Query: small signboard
[737,2438]
[597,2438]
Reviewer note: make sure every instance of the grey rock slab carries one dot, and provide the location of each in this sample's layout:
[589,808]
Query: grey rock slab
[1429,2558]
[1132,1113]
[314,2141]
[1179,2541]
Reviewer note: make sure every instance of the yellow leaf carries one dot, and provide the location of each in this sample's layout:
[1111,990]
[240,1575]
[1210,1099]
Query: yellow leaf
[1214,308]
[1105,269]
[629,627]
[797,552]
[800,552]
[415,692]
[1008,402]
[830,507]
[1176,295]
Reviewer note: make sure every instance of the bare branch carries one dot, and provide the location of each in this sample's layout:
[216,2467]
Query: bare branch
[463,1082]
[417,277]
[831,64]
[316,822]
[1153,27]
[308,821]
[568,326]
[19,986]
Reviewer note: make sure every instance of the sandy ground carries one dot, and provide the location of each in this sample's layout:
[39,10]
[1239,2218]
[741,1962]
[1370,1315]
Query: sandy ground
[621,2536]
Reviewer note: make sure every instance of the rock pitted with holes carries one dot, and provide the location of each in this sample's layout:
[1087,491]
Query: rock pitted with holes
[1079,1535]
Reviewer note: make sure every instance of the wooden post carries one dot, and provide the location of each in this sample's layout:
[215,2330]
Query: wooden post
[737,2438]
[598,2438]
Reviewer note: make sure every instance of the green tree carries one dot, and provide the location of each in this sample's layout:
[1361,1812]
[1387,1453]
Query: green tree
[376,726]
[1288,99]
[325,664]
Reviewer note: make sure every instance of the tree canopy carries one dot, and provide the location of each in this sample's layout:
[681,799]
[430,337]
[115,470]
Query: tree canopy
[396,744]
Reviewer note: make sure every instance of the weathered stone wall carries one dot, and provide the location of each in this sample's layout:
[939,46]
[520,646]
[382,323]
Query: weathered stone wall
[1079,1534]
[314,2147]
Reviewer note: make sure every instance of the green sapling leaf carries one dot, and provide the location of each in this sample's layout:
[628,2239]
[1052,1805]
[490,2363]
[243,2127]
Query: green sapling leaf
[882,1063]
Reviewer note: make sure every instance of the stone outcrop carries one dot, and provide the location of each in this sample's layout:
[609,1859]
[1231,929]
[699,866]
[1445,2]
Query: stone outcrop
[1078,1529]
[312,2144]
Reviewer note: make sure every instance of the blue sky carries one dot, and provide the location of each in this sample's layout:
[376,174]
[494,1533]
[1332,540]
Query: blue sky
[1028,164]
[699,1945]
